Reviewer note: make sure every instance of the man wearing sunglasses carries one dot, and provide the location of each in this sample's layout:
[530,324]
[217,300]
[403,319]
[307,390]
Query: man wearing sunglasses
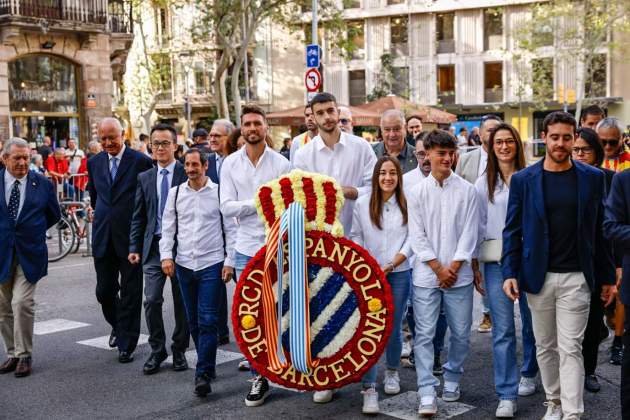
[617,157]
[345,119]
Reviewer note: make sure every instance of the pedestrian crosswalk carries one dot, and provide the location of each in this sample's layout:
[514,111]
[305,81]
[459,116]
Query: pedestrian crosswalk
[103,342]
[56,325]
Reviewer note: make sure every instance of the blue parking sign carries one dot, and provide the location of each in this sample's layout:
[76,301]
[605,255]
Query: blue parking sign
[312,56]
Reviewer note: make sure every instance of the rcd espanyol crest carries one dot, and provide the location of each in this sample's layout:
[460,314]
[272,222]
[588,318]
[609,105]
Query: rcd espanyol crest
[312,310]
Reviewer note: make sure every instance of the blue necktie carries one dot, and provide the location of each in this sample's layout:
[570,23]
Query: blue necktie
[164,186]
[14,201]
[112,172]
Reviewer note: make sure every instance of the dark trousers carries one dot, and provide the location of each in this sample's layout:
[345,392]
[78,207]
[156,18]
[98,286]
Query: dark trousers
[201,291]
[114,275]
[625,372]
[154,280]
[593,333]
[224,330]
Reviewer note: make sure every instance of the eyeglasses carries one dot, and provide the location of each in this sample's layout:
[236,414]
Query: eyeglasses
[158,144]
[392,130]
[420,155]
[345,121]
[613,143]
[214,135]
[587,150]
[509,142]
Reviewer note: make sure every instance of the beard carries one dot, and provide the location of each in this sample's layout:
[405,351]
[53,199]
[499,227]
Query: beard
[253,139]
[560,160]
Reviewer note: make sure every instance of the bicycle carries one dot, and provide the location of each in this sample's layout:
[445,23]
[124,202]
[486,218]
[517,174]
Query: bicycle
[66,236]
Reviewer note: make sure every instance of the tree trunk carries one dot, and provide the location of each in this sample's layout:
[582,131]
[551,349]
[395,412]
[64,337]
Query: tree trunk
[220,92]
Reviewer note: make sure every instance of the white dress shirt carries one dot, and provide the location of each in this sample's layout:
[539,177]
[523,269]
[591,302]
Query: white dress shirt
[9,180]
[483,161]
[351,162]
[411,179]
[386,243]
[492,215]
[239,184]
[118,156]
[199,240]
[443,225]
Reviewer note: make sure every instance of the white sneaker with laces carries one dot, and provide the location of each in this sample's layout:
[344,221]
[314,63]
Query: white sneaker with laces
[406,350]
[506,409]
[428,405]
[370,401]
[391,383]
[527,387]
[554,410]
[322,397]
[451,392]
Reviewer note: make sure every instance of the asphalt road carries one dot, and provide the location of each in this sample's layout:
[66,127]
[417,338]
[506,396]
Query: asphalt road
[76,377]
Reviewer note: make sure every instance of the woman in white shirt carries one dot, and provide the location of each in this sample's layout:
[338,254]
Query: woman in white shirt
[505,157]
[379,224]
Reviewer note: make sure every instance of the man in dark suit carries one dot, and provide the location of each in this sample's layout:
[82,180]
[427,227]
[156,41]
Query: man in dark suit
[617,228]
[553,244]
[28,207]
[146,232]
[112,180]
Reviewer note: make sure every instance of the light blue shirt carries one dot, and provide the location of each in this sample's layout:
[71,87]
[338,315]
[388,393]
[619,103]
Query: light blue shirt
[9,180]
[158,185]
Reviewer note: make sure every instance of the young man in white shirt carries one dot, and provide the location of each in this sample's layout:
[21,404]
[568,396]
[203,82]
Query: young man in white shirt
[443,227]
[304,138]
[243,172]
[192,217]
[347,158]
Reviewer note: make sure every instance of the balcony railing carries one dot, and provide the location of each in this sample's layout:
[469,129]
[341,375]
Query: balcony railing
[116,14]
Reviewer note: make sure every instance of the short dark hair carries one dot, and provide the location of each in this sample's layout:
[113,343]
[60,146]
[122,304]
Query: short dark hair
[253,109]
[307,106]
[203,158]
[439,138]
[142,137]
[463,129]
[592,110]
[323,97]
[558,117]
[411,117]
[163,127]
[590,136]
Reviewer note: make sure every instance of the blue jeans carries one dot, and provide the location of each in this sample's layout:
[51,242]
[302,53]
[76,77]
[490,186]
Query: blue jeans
[457,303]
[201,295]
[400,283]
[440,330]
[506,375]
[240,262]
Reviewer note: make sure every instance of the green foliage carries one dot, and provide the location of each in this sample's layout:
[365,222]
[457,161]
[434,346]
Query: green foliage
[384,78]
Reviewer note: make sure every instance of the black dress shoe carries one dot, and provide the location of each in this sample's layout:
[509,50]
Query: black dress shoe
[224,340]
[112,340]
[591,384]
[9,365]
[125,357]
[202,385]
[152,365]
[23,367]
[179,361]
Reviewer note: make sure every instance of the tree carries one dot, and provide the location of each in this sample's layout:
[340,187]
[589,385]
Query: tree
[581,33]
[384,78]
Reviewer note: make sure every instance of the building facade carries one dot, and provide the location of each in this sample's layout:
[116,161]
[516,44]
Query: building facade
[61,65]
[457,55]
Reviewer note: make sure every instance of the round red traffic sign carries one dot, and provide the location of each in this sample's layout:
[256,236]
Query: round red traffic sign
[312,80]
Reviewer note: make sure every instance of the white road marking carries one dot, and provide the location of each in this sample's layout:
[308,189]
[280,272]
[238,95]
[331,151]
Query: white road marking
[56,325]
[60,267]
[223,356]
[103,342]
[405,406]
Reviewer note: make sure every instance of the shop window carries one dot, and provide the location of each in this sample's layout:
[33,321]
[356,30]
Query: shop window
[493,82]
[399,35]
[446,84]
[357,87]
[445,32]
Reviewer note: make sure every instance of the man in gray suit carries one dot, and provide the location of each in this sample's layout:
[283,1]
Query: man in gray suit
[471,166]
[394,140]
[146,231]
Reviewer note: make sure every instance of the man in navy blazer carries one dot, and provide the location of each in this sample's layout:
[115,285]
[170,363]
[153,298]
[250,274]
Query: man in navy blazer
[146,232]
[553,244]
[617,228]
[112,180]
[28,207]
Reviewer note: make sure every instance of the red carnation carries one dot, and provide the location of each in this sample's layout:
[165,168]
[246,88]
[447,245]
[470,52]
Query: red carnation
[286,188]
[311,199]
[267,205]
[331,202]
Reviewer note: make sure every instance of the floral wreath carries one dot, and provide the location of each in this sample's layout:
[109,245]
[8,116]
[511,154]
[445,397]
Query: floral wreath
[331,313]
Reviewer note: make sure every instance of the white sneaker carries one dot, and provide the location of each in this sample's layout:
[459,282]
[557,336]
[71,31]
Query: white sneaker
[428,405]
[243,365]
[451,392]
[391,383]
[370,401]
[406,350]
[554,411]
[322,397]
[506,409]
[527,386]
